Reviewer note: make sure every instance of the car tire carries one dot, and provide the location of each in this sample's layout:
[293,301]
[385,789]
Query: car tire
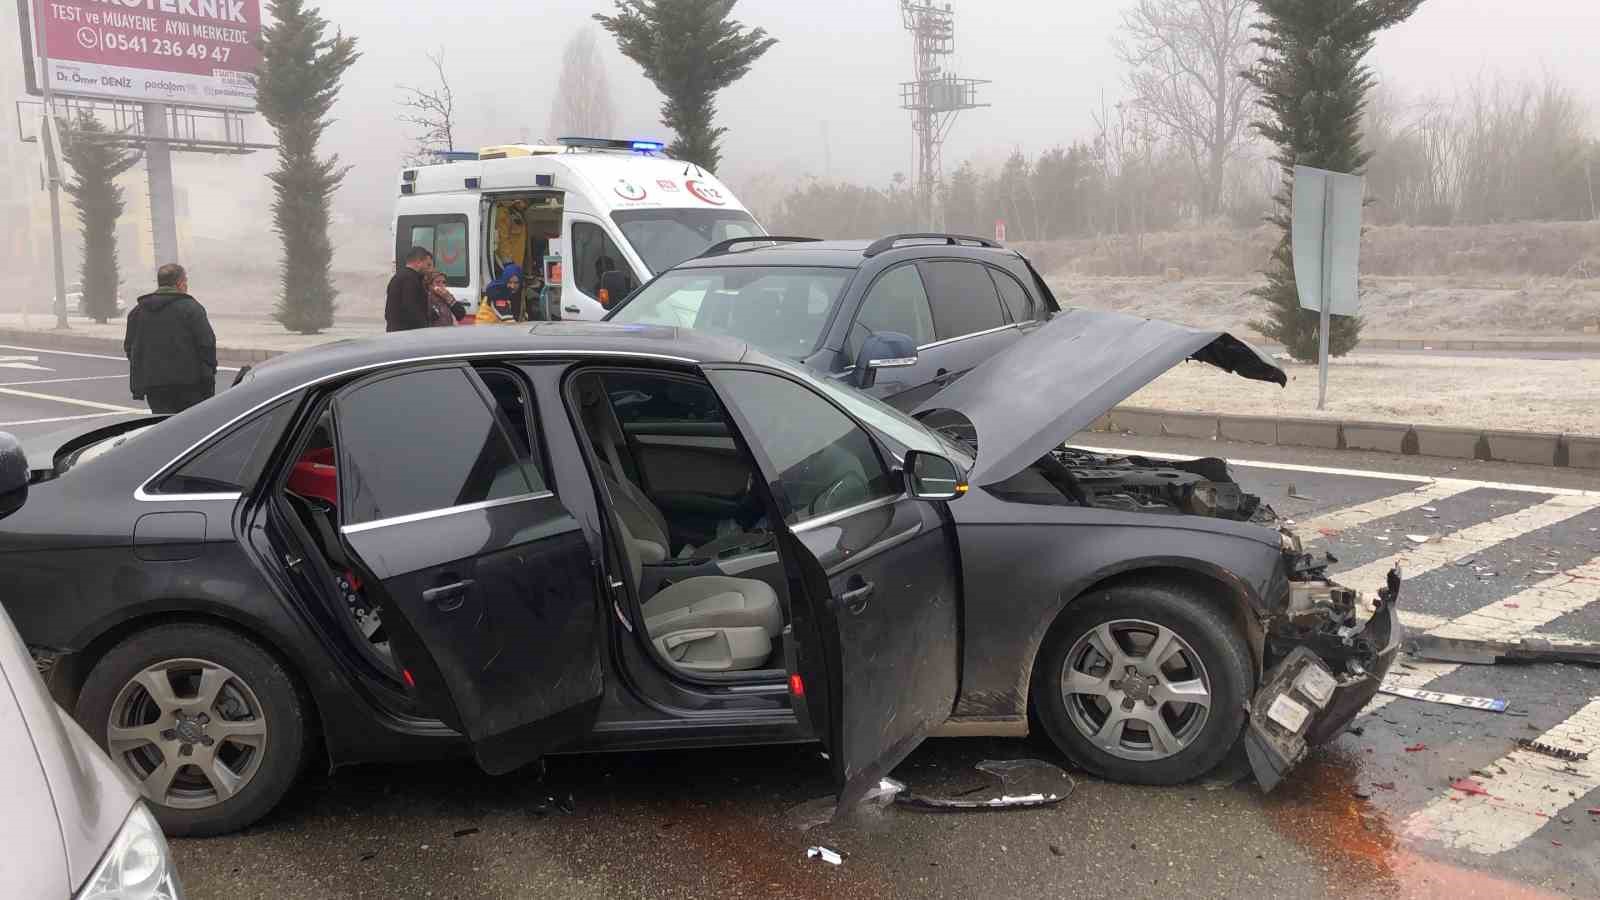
[1209,653]
[251,736]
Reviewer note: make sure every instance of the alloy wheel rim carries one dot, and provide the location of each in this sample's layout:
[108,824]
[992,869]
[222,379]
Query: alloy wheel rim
[190,732]
[1136,690]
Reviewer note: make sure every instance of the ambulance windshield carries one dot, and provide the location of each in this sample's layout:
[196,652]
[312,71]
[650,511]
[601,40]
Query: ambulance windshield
[665,237]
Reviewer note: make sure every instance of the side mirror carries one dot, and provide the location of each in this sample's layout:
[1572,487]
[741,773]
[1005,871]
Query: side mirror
[13,475]
[615,286]
[930,476]
[884,350]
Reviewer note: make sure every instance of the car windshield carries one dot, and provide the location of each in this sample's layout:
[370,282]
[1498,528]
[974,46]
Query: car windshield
[780,309]
[892,423]
[665,237]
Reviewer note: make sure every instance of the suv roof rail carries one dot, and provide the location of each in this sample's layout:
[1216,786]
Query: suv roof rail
[722,247]
[953,240]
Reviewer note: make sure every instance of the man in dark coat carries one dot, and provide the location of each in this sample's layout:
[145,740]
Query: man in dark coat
[171,348]
[406,306]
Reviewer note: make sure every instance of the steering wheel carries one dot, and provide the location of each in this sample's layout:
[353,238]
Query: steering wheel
[836,495]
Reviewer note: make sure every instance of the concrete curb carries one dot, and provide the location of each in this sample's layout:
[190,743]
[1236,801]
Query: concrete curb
[82,343]
[1577,451]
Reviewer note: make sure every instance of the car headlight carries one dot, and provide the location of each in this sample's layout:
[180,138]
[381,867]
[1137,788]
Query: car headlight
[138,866]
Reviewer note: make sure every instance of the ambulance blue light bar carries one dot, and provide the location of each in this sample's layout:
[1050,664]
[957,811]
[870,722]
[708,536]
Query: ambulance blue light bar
[612,144]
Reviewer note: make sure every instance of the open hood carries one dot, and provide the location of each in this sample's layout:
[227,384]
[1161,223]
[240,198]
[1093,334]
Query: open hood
[1043,389]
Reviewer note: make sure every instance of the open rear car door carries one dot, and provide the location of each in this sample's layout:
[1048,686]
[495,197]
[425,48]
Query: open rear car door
[873,648]
[484,579]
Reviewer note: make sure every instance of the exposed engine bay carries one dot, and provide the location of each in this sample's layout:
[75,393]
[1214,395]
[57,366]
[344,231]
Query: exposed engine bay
[1194,487]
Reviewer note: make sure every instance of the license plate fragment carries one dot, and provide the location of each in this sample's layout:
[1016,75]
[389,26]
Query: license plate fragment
[1487,704]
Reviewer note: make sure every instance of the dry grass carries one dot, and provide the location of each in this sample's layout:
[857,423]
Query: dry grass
[1517,394]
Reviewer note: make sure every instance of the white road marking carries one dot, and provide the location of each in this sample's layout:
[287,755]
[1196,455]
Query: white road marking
[71,401]
[81,355]
[64,380]
[1508,619]
[1533,789]
[1394,504]
[1356,473]
[23,362]
[1442,551]
[100,415]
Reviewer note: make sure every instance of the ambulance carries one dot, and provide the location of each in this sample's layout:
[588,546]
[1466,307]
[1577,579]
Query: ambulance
[565,214]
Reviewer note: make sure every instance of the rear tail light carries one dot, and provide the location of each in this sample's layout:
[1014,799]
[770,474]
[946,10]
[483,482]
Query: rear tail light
[797,685]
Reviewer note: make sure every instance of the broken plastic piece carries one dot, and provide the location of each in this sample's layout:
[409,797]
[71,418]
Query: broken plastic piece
[1024,784]
[1416,748]
[1417,538]
[1468,786]
[1481,652]
[1552,751]
[831,857]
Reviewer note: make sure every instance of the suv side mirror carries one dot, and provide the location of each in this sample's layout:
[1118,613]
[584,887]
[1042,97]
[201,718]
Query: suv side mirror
[615,285]
[13,475]
[883,350]
[930,476]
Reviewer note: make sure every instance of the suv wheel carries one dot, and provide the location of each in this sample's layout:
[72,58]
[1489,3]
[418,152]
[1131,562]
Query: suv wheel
[1143,683]
[207,723]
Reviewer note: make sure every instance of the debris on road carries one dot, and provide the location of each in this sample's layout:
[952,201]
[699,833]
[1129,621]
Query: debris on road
[1486,704]
[1484,652]
[463,832]
[1417,538]
[832,857]
[1468,786]
[1024,784]
[1562,753]
[1416,748]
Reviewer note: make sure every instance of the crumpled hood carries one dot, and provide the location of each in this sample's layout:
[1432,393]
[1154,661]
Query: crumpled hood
[1043,389]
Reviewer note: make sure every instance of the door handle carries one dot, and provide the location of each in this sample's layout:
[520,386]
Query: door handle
[857,598]
[571,309]
[449,597]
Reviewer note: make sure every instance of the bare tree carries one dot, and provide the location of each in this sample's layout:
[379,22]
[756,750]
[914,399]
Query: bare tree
[583,106]
[432,111]
[1184,61]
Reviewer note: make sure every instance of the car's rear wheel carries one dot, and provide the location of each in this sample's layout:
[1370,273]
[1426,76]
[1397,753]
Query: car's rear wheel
[207,723]
[1143,682]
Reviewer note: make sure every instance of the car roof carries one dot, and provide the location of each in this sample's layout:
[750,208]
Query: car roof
[839,254]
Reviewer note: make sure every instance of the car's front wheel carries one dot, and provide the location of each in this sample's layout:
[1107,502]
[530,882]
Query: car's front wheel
[207,723]
[1144,683]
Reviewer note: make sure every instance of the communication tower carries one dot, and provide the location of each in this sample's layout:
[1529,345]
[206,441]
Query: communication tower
[934,98]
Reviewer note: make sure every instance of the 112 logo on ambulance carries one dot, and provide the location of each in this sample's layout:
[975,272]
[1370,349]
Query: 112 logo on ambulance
[706,192]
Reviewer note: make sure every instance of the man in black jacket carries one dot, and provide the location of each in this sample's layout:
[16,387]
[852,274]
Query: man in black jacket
[171,348]
[407,304]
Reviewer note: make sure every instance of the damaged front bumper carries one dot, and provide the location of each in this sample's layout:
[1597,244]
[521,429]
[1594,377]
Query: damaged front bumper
[1325,678]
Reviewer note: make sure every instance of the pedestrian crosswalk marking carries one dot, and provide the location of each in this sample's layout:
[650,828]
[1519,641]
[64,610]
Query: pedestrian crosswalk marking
[1394,504]
[1533,789]
[71,401]
[1423,558]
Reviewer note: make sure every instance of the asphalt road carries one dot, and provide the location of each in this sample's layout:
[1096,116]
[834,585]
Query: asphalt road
[1373,814]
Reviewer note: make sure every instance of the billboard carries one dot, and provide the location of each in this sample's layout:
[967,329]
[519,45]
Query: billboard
[183,52]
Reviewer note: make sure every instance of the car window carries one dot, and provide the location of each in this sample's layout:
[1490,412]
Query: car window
[220,468]
[963,298]
[897,301]
[1016,299]
[593,255]
[780,309]
[515,408]
[422,441]
[825,462]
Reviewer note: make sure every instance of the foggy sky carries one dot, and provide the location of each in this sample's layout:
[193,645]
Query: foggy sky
[836,71]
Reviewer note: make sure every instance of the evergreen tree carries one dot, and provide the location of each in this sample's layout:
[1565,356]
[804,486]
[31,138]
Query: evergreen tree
[296,84]
[96,158]
[1313,88]
[690,50]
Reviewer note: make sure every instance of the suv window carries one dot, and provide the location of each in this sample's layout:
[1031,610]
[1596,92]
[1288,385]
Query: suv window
[222,467]
[593,255]
[1015,297]
[897,301]
[824,460]
[964,298]
[448,450]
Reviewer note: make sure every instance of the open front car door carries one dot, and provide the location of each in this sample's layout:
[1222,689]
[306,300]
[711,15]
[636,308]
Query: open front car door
[873,646]
[484,579]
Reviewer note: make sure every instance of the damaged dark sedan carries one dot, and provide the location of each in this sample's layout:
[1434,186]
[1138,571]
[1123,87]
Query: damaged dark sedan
[591,537]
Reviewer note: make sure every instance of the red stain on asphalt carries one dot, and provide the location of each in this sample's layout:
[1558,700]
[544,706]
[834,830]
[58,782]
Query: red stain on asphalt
[1416,748]
[1468,786]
